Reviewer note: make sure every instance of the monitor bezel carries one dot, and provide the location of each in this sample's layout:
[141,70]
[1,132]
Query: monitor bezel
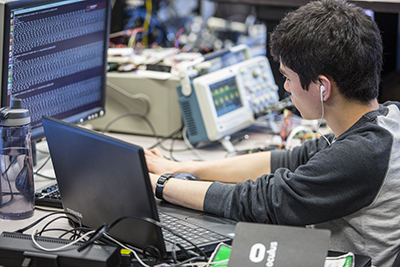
[37,133]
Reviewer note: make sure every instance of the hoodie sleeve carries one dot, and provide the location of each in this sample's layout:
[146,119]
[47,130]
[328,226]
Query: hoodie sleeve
[311,184]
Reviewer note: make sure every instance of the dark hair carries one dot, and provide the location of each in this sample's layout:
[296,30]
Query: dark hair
[332,38]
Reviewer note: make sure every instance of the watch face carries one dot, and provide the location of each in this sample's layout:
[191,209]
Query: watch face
[160,184]
[162,180]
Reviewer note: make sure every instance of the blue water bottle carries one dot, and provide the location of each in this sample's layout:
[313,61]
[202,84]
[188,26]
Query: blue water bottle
[17,188]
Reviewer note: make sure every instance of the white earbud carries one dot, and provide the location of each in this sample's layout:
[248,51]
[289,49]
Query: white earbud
[322,88]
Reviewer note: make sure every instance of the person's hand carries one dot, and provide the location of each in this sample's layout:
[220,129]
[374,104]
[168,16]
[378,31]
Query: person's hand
[157,164]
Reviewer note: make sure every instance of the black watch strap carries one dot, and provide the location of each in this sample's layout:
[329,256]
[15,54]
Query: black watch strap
[161,183]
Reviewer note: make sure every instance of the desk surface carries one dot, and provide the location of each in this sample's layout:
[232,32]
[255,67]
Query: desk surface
[384,6]
[181,153]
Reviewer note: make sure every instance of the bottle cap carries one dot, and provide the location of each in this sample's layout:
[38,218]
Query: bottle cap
[14,115]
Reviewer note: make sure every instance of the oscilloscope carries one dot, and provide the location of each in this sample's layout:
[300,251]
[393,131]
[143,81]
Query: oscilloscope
[228,100]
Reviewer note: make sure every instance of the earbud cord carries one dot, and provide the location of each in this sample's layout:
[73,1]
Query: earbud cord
[320,121]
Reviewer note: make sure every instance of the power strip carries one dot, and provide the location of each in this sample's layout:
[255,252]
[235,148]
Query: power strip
[19,250]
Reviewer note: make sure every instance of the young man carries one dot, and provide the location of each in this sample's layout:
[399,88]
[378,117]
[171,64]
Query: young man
[348,182]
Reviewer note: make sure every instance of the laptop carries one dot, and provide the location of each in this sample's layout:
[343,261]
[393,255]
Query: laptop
[102,179]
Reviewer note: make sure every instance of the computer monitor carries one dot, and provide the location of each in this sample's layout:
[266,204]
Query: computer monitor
[54,58]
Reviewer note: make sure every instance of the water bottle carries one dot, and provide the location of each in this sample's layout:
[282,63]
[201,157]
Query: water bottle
[17,188]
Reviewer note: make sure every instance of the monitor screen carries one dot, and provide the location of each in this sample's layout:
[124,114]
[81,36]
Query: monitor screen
[55,58]
[226,96]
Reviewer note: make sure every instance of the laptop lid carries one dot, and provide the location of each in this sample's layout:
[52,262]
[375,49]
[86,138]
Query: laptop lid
[279,246]
[101,179]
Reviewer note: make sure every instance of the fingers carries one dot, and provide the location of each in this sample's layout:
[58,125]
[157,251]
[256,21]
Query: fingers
[153,151]
[156,163]
[156,152]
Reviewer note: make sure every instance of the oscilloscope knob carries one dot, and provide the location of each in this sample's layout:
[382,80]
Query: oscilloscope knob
[256,73]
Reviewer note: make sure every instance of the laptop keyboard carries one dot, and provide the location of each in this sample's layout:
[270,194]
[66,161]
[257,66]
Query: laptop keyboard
[191,232]
[48,196]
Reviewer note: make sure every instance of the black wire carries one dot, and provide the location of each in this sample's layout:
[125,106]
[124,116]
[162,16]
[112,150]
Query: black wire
[42,151]
[172,135]
[174,251]
[47,210]
[46,216]
[41,167]
[131,114]
[146,250]
[74,235]
[50,222]
[5,174]
[45,176]
[156,223]
[52,229]
[174,257]
[94,237]
[159,143]
[77,231]
[98,236]
[171,150]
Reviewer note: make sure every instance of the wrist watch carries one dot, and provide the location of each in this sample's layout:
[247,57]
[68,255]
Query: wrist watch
[161,183]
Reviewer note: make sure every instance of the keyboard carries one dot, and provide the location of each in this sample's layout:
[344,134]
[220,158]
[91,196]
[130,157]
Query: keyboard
[190,231]
[48,196]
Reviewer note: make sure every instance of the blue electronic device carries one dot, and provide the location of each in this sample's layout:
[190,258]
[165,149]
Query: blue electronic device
[192,117]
